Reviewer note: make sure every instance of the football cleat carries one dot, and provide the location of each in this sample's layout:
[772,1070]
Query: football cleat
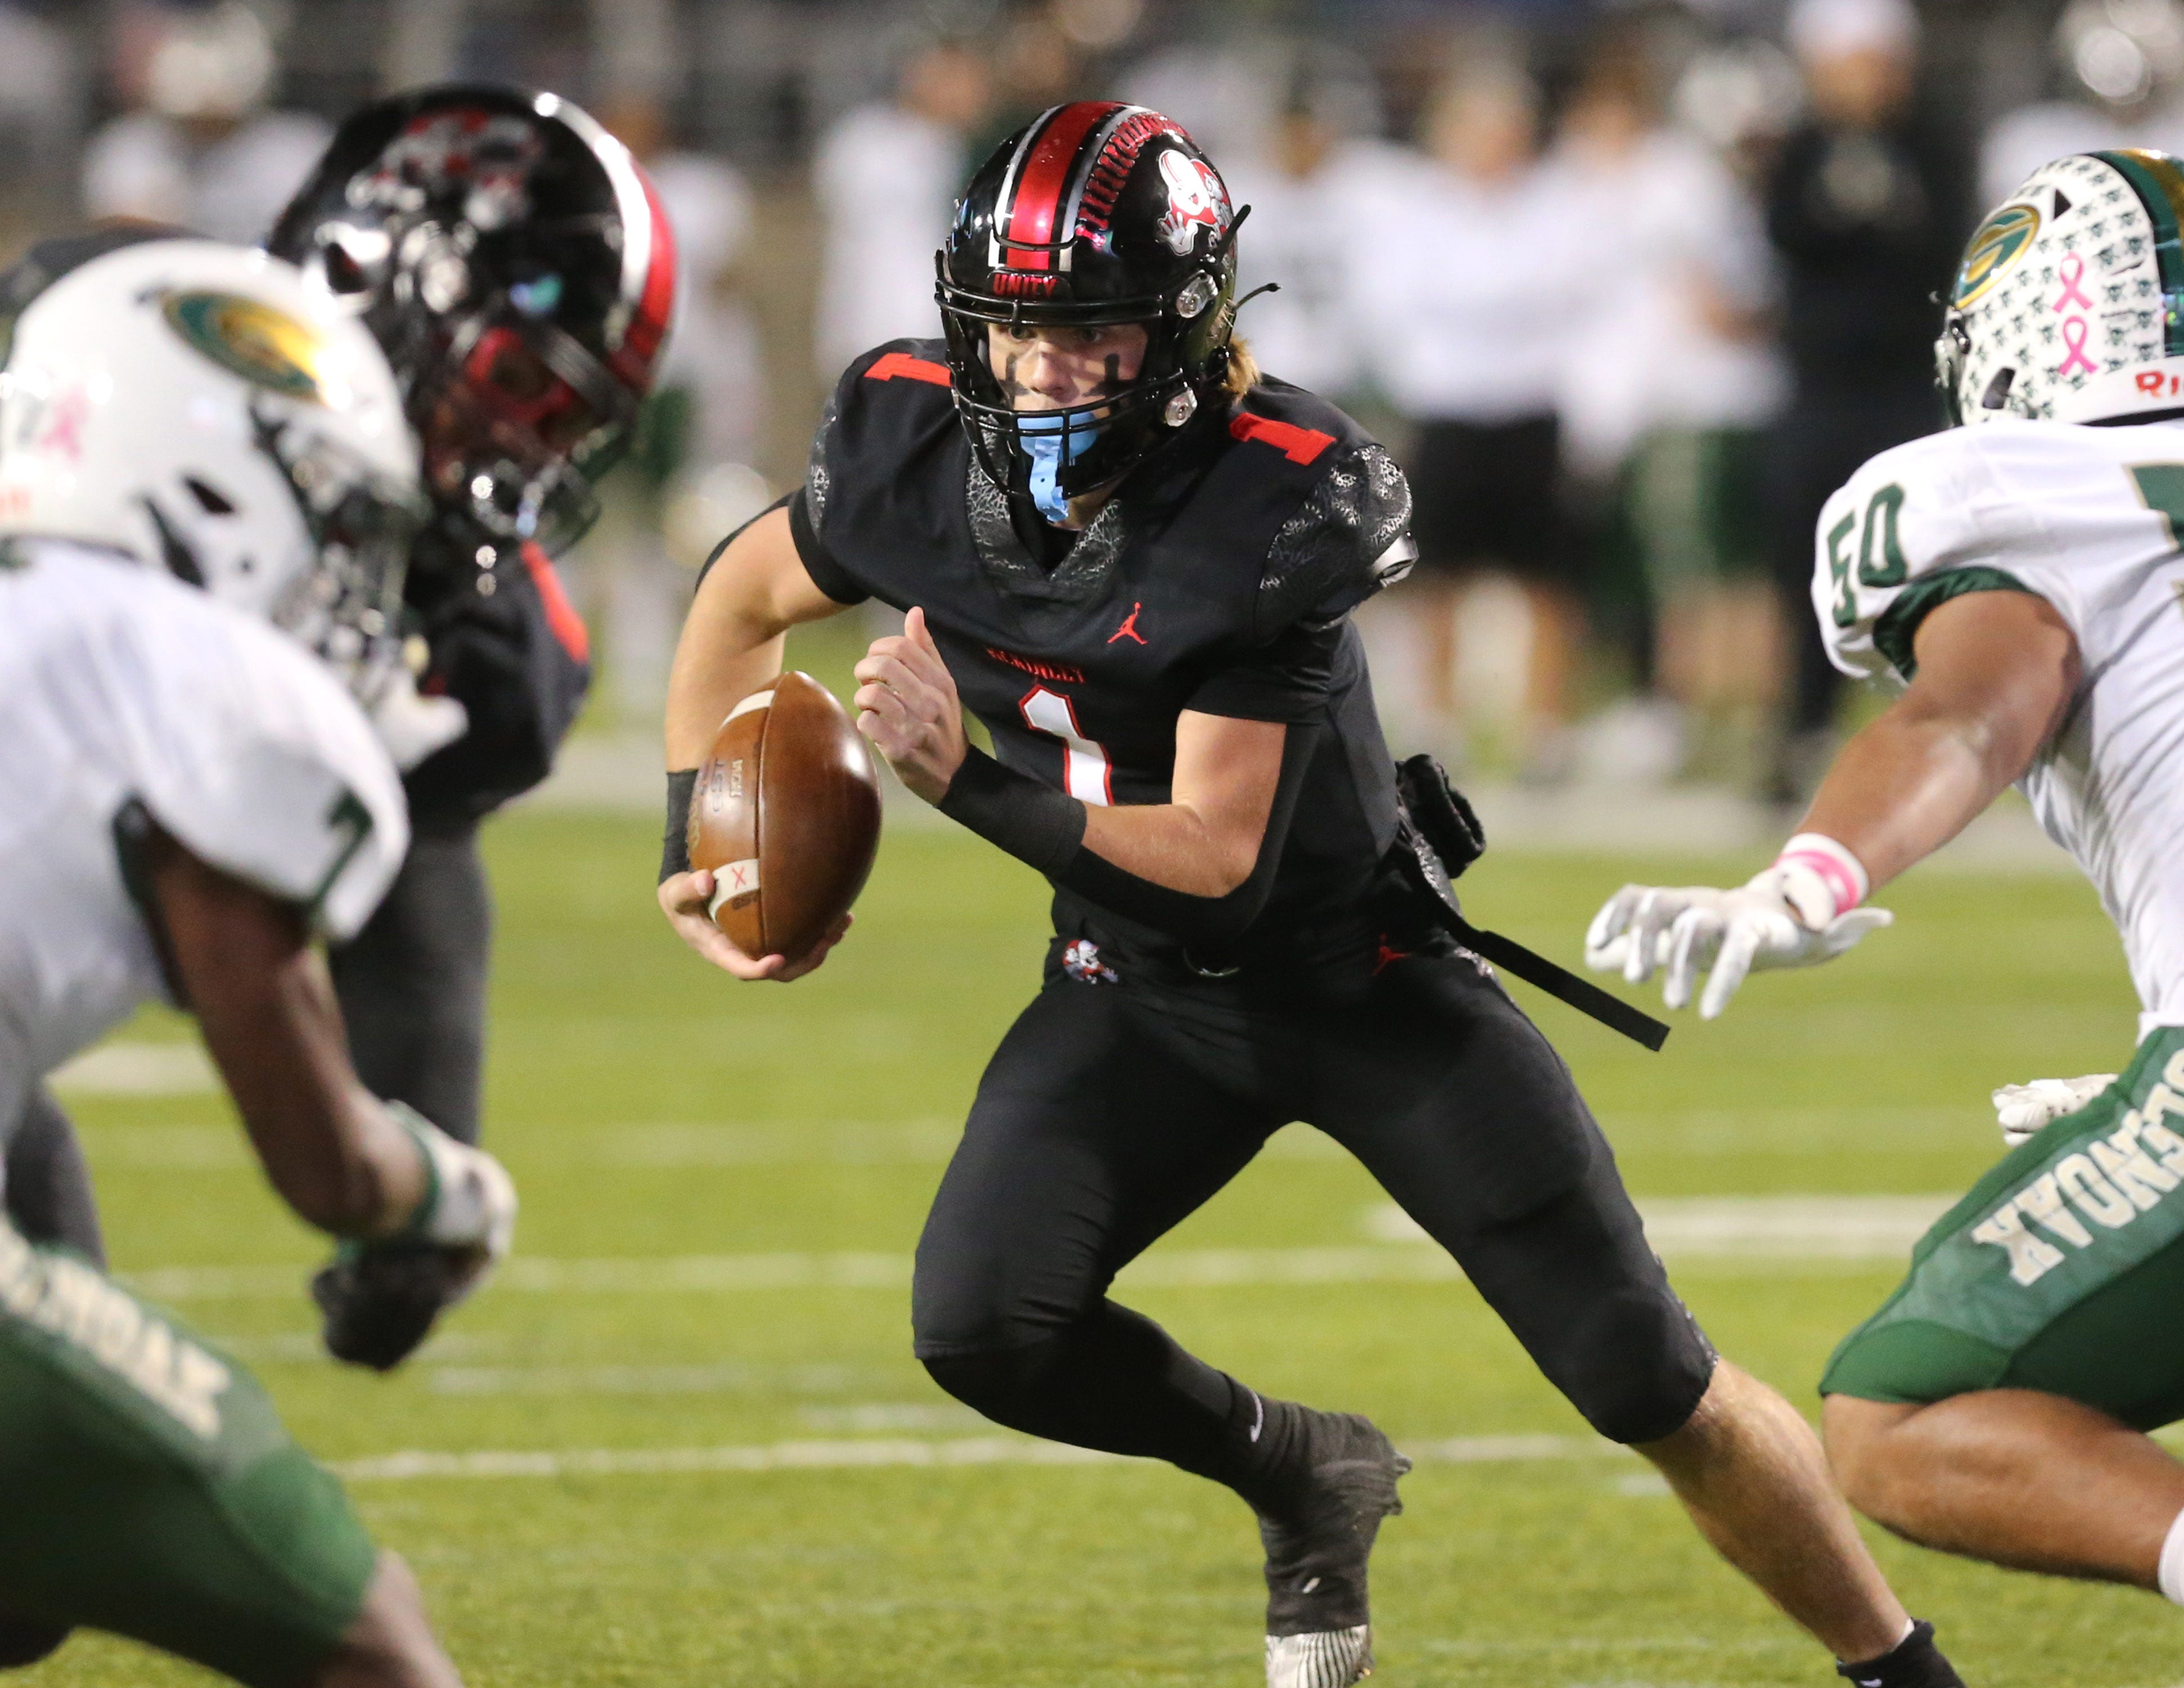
[1326,1658]
[1318,1614]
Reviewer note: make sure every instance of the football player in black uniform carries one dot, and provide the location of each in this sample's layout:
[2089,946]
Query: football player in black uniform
[1133,559]
[517,269]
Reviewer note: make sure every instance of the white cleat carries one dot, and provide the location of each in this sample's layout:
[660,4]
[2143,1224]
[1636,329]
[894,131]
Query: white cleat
[1325,1659]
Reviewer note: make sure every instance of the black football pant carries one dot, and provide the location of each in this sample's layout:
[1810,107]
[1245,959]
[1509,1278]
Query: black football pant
[1111,1112]
[412,986]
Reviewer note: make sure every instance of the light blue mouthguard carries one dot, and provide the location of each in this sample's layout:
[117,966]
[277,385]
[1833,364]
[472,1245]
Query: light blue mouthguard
[1044,437]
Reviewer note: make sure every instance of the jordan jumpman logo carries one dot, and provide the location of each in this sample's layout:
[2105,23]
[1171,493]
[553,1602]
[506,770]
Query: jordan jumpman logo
[1129,630]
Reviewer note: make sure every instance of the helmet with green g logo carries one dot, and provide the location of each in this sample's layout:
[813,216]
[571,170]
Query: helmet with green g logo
[2069,304]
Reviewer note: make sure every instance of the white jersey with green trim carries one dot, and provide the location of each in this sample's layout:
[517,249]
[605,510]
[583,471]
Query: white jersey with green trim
[2089,519]
[124,693]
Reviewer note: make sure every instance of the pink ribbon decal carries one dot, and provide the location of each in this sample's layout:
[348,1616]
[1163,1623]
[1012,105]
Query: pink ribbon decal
[2076,344]
[2072,269]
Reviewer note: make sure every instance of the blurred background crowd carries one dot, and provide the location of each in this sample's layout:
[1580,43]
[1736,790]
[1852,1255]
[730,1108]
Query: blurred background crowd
[1630,288]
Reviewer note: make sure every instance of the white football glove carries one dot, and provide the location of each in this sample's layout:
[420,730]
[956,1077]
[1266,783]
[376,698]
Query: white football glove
[471,1206]
[2022,1110]
[411,725]
[1689,929]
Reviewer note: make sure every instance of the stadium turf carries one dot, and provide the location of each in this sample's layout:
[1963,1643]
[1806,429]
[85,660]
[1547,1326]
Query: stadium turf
[683,1442]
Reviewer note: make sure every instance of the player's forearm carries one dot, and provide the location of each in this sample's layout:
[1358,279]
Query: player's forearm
[269,1019]
[1907,784]
[1174,846]
[328,1147]
[728,651]
[1996,674]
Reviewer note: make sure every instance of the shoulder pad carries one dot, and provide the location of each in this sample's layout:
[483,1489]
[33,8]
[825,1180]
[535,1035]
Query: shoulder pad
[1917,525]
[902,365]
[1350,537]
[912,371]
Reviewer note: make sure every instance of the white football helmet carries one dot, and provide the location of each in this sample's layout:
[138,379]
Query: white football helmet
[196,405]
[2069,305]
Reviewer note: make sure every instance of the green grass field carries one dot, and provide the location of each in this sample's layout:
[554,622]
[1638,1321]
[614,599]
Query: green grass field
[722,1187]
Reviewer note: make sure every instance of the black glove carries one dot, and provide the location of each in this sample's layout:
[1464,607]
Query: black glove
[380,1299]
[1441,813]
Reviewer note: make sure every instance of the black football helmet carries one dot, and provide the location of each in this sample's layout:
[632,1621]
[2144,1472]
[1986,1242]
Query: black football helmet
[519,272]
[1095,213]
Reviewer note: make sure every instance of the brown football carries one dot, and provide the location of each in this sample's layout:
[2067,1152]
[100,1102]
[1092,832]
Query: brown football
[786,815]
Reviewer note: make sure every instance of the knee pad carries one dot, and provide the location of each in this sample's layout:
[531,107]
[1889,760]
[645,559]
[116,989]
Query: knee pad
[994,1381]
[1637,1374]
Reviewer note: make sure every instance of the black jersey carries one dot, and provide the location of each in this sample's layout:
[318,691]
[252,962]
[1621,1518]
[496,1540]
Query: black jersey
[1219,578]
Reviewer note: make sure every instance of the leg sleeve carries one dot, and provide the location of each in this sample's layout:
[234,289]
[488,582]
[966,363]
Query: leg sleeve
[151,1488]
[48,1184]
[1463,1112]
[412,984]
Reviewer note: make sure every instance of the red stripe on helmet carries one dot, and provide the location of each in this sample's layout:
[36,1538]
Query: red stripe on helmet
[655,302]
[1044,179]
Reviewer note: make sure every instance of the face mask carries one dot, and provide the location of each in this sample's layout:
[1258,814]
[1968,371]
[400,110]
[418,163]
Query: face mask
[1042,437]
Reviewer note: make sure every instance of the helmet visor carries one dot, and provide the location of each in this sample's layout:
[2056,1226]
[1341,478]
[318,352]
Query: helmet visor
[520,425]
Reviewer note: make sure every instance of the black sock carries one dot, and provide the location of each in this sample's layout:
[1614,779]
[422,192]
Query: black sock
[1114,1381]
[1257,1456]
[1914,1661]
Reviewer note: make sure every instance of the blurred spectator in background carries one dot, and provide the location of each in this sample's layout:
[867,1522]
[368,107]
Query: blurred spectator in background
[42,101]
[2121,64]
[690,478]
[886,176]
[1468,266]
[1303,186]
[197,147]
[1866,213]
[1671,379]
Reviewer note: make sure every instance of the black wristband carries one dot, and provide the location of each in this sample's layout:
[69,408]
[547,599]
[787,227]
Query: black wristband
[675,842]
[1034,823]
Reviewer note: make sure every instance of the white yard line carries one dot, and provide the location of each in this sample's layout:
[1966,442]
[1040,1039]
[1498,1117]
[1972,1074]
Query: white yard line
[846,1455]
[137,1069]
[1757,1230]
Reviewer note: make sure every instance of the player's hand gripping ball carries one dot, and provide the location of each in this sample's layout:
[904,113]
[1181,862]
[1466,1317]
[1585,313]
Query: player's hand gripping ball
[786,818]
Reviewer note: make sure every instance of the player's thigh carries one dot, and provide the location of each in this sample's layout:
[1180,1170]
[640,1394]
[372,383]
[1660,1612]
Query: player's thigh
[2062,1269]
[1097,1126]
[1466,1117]
[151,1490]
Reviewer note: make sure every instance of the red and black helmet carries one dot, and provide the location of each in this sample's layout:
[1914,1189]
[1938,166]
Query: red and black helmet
[1095,213]
[519,272]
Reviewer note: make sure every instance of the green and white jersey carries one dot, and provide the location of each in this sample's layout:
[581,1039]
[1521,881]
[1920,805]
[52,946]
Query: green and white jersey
[124,693]
[2091,519]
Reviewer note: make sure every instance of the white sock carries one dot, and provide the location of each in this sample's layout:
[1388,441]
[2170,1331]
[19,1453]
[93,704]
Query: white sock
[2171,1574]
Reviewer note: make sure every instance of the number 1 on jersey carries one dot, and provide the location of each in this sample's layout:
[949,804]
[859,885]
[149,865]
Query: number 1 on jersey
[1087,774]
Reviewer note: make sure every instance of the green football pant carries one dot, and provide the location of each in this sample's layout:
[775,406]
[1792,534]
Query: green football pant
[150,1490]
[2062,1270]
